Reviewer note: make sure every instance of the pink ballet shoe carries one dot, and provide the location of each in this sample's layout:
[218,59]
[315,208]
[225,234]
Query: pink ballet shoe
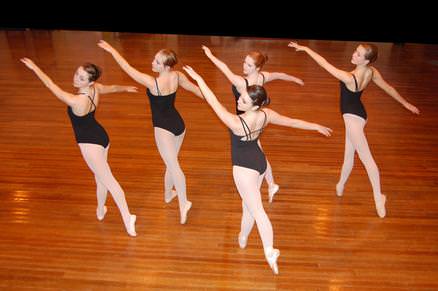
[173,194]
[131,228]
[185,211]
[272,257]
[243,240]
[339,190]
[272,190]
[101,217]
[380,206]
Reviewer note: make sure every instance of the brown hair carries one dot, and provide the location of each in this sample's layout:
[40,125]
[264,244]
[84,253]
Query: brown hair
[258,95]
[259,58]
[371,52]
[93,71]
[170,58]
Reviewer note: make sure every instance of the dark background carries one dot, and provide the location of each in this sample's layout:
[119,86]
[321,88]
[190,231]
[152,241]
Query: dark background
[414,22]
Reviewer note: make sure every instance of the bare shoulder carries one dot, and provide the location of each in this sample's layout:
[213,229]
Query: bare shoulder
[269,113]
[265,74]
[374,72]
[99,87]
[267,110]
[78,101]
[179,75]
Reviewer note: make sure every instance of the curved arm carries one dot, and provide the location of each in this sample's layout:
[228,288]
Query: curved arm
[184,82]
[67,98]
[105,89]
[281,76]
[230,120]
[335,72]
[236,80]
[380,82]
[138,76]
[275,118]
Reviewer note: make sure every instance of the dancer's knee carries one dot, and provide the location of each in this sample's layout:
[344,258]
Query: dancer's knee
[368,162]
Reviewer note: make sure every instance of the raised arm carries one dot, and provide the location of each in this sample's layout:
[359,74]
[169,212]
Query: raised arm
[275,118]
[380,82]
[67,98]
[281,76]
[138,76]
[230,120]
[105,89]
[184,82]
[338,74]
[236,80]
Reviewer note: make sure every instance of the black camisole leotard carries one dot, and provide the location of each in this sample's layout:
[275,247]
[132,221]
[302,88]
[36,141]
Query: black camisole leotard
[247,153]
[86,128]
[350,101]
[164,113]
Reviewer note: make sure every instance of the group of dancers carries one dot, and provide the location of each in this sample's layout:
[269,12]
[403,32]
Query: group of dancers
[250,165]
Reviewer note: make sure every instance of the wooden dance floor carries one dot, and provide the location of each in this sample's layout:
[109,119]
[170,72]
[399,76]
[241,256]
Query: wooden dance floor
[50,238]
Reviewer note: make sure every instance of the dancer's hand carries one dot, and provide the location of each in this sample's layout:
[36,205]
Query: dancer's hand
[296,46]
[299,81]
[207,51]
[106,46]
[324,130]
[195,76]
[412,108]
[29,63]
[131,89]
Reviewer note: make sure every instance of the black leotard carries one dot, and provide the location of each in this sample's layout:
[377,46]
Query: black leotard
[86,128]
[350,101]
[164,113]
[247,153]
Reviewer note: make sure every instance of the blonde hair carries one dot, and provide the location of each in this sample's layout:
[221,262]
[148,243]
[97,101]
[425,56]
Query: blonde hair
[170,58]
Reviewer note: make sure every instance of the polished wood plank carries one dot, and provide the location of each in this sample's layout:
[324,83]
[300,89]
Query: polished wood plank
[51,240]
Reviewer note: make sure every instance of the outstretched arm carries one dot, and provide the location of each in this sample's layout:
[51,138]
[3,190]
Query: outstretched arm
[230,120]
[377,78]
[138,76]
[278,119]
[236,80]
[189,86]
[338,74]
[281,76]
[65,97]
[105,89]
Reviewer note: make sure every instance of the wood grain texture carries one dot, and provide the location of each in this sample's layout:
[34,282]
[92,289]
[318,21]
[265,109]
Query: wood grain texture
[50,238]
